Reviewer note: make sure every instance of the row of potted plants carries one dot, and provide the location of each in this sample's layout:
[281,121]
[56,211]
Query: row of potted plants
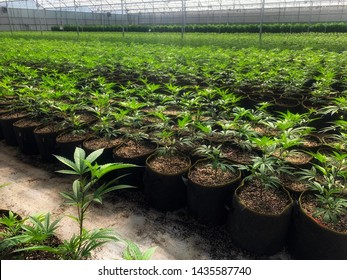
[261,119]
[269,160]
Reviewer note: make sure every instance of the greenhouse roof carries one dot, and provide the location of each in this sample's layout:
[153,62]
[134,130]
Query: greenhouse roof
[156,6]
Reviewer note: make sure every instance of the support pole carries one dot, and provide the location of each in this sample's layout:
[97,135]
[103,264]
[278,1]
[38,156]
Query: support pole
[122,7]
[261,22]
[9,18]
[183,19]
[76,19]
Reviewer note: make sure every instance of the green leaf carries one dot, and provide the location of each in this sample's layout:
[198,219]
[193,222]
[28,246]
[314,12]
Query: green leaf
[67,162]
[149,253]
[76,187]
[106,168]
[132,252]
[79,157]
[69,172]
[94,155]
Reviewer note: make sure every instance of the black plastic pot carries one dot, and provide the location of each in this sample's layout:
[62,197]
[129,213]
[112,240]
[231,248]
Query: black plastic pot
[165,192]
[3,111]
[25,136]
[207,204]
[66,148]
[283,104]
[6,122]
[262,234]
[310,240]
[134,176]
[46,142]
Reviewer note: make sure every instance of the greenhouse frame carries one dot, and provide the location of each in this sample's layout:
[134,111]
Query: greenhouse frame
[42,15]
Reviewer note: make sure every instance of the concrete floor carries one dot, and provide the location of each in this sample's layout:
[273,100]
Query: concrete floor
[34,188]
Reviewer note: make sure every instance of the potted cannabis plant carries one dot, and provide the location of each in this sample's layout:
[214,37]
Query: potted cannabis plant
[105,136]
[260,211]
[37,106]
[319,227]
[135,149]
[163,184]
[211,182]
[9,118]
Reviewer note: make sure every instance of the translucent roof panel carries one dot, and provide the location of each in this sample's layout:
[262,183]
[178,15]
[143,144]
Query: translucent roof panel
[153,6]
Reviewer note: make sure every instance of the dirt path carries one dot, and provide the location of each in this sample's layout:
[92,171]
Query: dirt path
[34,188]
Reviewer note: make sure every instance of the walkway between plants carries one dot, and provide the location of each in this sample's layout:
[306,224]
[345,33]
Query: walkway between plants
[34,188]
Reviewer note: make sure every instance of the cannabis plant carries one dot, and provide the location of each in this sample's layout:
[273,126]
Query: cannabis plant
[133,252]
[27,234]
[328,179]
[215,159]
[87,189]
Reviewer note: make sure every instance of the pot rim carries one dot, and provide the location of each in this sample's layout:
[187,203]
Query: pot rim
[238,177]
[169,174]
[285,209]
[311,218]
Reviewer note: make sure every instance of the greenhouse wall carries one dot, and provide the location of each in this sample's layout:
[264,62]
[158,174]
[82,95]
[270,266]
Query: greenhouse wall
[31,19]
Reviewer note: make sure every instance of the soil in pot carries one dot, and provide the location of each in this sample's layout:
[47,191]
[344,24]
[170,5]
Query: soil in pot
[6,122]
[313,238]
[134,152]
[235,154]
[209,191]
[67,143]
[296,158]
[96,143]
[292,184]
[311,143]
[24,132]
[259,219]
[45,137]
[163,183]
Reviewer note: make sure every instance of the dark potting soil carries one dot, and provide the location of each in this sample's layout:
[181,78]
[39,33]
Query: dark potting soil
[70,137]
[52,241]
[86,118]
[291,182]
[27,123]
[294,157]
[169,164]
[237,155]
[99,143]
[13,116]
[264,130]
[270,201]
[310,206]
[133,149]
[203,174]
[311,142]
[298,158]
[51,128]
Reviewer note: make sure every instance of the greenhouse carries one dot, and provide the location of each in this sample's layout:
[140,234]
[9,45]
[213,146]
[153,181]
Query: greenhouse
[37,15]
[173,130]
